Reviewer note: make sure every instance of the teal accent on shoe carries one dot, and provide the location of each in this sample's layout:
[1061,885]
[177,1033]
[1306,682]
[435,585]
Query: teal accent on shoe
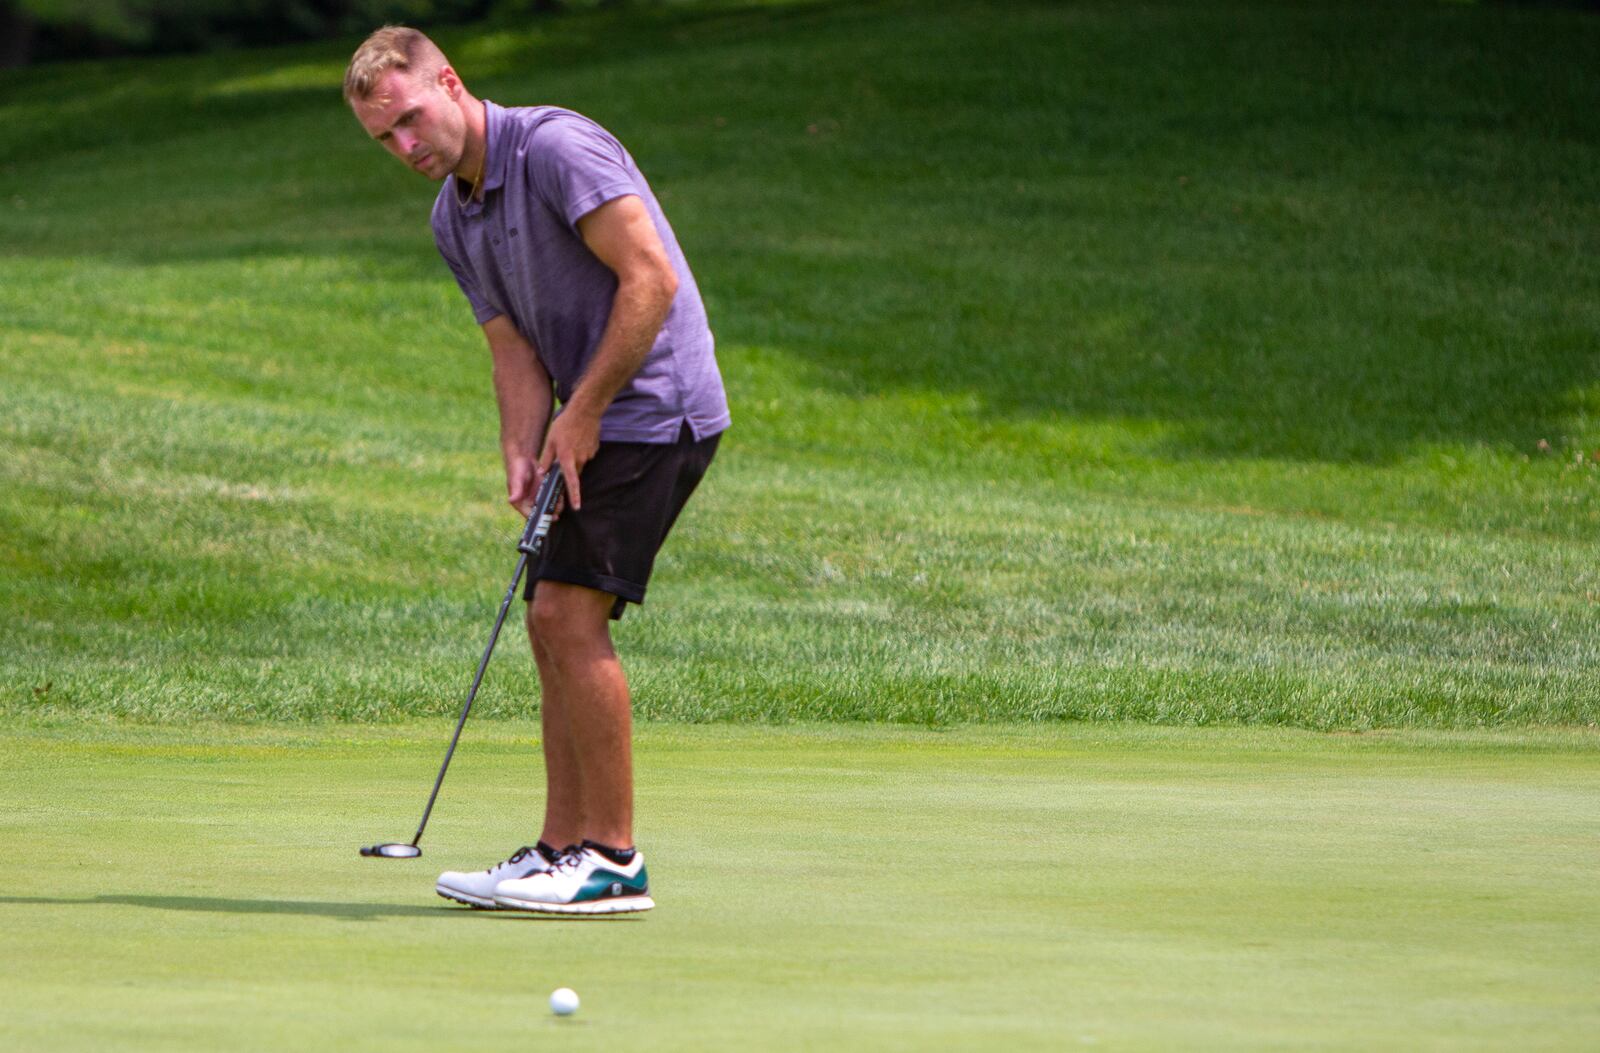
[608,884]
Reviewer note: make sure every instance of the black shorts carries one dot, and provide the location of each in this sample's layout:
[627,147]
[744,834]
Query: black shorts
[632,494]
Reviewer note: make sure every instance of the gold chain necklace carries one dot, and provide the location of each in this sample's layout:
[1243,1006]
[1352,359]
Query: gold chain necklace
[477,183]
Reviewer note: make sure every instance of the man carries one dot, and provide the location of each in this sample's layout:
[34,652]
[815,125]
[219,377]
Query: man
[584,296]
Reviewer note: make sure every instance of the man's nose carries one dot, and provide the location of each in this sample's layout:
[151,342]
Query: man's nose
[404,142]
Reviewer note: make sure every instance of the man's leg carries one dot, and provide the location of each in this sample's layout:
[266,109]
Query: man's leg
[633,492]
[563,820]
[563,801]
[590,767]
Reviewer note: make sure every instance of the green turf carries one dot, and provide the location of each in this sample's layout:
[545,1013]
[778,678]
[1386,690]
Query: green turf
[1015,887]
[1087,361]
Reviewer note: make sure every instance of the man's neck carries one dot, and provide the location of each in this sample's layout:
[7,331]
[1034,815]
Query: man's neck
[475,152]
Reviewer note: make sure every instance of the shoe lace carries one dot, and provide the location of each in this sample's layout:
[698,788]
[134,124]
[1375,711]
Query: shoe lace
[569,859]
[516,857]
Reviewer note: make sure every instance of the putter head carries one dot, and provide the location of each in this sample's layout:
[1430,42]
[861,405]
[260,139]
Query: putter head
[392,851]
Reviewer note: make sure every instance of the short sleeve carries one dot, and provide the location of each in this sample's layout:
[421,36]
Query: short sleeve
[576,166]
[482,309]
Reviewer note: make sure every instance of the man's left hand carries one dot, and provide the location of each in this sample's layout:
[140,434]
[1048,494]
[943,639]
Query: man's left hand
[572,440]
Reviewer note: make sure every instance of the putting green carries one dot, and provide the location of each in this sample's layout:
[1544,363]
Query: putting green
[873,888]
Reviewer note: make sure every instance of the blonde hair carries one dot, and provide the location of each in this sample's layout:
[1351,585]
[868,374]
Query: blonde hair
[392,47]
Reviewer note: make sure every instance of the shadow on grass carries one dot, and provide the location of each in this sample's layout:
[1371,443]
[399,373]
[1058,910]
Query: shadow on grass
[303,908]
[218,905]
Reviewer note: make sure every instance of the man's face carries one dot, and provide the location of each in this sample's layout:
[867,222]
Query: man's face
[418,119]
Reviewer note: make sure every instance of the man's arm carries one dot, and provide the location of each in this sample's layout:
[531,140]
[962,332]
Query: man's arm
[621,233]
[522,388]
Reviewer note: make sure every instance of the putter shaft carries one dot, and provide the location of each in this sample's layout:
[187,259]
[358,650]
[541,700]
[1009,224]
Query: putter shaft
[532,541]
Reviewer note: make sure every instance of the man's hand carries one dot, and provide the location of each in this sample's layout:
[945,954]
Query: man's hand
[572,440]
[522,483]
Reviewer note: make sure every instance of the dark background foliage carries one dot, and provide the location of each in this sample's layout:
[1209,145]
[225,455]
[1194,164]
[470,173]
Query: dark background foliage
[45,30]
[34,31]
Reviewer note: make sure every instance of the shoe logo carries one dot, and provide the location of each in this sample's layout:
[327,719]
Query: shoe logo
[616,888]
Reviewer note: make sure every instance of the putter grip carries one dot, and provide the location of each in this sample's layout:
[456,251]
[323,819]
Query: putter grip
[539,520]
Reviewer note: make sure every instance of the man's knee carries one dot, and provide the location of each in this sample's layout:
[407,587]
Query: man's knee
[562,616]
[539,652]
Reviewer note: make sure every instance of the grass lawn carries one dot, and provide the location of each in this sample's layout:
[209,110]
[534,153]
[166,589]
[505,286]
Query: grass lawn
[1087,361]
[1023,887]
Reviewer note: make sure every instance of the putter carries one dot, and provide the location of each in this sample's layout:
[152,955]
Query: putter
[533,536]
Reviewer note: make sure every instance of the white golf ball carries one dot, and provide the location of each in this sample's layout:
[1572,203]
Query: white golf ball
[563,1001]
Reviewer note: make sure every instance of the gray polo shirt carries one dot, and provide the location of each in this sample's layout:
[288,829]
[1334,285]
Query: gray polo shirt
[518,253]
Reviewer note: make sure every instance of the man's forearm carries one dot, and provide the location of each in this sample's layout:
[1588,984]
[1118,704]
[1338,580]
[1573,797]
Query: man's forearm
[522,389]
[638,311]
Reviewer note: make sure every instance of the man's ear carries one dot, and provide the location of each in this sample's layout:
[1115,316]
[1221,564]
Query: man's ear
[450,82]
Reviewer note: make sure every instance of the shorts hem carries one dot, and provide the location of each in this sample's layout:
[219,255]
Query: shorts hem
[621,588]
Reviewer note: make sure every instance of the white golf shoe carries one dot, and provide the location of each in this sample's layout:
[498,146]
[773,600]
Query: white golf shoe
[582,881]
[476,889]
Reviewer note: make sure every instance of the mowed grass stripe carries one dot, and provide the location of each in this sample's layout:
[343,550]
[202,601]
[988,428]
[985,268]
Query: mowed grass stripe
[1000,610]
